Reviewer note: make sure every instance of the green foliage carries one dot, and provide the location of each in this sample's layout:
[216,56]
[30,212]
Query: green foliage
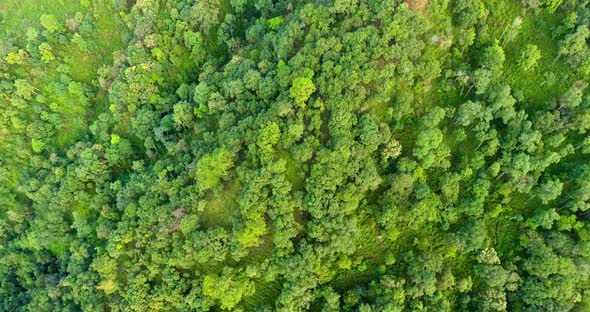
[529,57]
[301,89]
[115,139]
[552,5]
[294,156]
[49,22]
[206,14]
[275,22]
[24,89]
[212,167]
[575,43]
[15,58]
[467,12]
[229,288]
[46,54]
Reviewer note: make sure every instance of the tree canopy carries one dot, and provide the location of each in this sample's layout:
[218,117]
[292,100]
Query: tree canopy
[290,156]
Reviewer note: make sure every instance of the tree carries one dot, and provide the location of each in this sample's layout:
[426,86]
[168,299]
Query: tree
[229,287]
[275,22]
[468,113]
[183,114]
[433,117]
[529,57]
[301,89]
[391,150]
[238,5]
[369,134]
[16,57]
[49,22]
[206,14]
[46,54]
[574,43]
[550,279]
[212,167]
[269,136]
[549,190]
[24,89]
[552,5]
[493,58]
[430,148]
[573,96]
[579,199]
[543,218]
[467,13]
[511,31]
[115,139]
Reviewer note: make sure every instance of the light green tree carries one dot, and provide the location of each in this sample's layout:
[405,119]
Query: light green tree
[301,89]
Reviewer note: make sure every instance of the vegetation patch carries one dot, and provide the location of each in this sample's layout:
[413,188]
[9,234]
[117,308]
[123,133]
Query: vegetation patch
[335,155]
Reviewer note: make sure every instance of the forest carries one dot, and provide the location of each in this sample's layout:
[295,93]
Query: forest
[294,155]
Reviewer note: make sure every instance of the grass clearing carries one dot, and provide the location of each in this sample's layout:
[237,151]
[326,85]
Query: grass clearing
[537,29]
[218,210]
[19,15]
[82,62]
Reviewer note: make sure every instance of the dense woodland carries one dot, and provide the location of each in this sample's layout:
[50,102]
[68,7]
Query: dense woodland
[291,155]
